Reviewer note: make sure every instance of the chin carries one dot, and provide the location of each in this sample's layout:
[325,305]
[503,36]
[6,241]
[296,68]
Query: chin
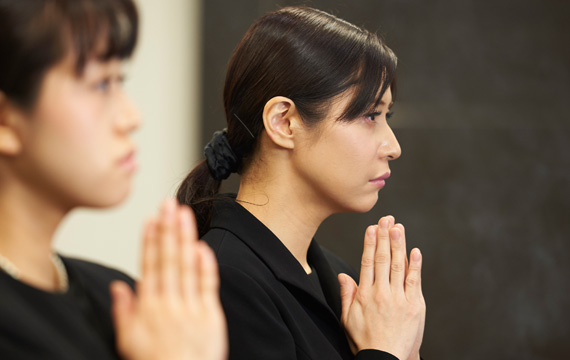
[109,199]
[362,206]
[365,209]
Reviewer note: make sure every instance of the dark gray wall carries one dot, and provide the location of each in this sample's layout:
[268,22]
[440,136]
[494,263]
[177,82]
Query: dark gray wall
[483,186]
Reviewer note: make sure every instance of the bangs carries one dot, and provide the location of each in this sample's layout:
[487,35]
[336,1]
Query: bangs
[103,29]
[39,33]
[343,57]
[377,72]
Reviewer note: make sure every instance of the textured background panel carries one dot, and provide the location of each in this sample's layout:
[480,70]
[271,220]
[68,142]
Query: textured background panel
[483,185]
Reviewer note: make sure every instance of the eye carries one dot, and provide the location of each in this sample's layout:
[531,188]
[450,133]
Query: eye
[389,115]
[372,116]
[103,85]
[106,84]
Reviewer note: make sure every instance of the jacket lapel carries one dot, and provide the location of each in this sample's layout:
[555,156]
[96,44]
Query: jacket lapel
[327,277]
[233,217]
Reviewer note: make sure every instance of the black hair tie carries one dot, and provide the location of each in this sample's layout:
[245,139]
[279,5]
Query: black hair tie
[221,159]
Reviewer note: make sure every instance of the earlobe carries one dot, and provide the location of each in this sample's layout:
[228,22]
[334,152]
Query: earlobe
[280,117]
[10,143]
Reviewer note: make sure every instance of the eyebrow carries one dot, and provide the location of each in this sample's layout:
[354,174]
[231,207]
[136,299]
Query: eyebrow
[389,106]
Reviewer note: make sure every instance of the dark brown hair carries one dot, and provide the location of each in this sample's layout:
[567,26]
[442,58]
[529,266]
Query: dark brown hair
[306,55]
[37,34]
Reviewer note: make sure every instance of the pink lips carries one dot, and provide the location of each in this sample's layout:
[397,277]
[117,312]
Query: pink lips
[129,161]
[380,181]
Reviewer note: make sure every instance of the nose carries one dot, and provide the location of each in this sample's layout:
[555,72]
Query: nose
[128,117]
[391,147]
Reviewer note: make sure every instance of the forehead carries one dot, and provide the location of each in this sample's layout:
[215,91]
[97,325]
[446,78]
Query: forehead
[387,98]
[341,102]
[64,74]
[84,64]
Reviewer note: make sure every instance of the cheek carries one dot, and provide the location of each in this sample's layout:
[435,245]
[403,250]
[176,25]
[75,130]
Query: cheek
[76,129]
[340,165]
[353,152]
[72,149]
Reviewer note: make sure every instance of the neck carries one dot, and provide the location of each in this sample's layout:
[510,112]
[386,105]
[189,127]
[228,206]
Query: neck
[286,210]
[28,222]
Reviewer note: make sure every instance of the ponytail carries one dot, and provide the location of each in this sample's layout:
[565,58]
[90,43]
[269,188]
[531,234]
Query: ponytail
[199,188]
[198,191]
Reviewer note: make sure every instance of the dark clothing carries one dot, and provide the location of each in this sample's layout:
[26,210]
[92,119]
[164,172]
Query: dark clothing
[74,325]
[274,310]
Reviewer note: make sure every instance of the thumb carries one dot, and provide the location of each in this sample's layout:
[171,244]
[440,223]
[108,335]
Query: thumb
[123,300]
[348,290]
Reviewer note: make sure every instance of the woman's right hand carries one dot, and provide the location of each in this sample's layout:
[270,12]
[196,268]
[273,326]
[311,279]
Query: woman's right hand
[386,311]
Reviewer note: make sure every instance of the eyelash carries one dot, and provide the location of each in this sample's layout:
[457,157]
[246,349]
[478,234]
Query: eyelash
[373,115]
[105,84]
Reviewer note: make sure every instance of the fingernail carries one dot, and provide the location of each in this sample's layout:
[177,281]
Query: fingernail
[384,223]
[184,221]
[416,255]
[371,231]
[168,207]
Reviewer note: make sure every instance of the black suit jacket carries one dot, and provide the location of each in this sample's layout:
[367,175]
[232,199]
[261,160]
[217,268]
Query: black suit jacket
[77,324]
[273,310]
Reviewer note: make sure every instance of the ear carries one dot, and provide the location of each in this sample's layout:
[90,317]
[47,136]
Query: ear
[280,119]
[10,143]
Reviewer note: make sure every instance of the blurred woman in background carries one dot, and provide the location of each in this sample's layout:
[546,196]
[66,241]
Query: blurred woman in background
[65,126]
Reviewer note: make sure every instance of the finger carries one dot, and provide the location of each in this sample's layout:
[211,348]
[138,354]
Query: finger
[367,262]
[188,254]
[167,245]
[398,265]
[403,230]
[149,264]
[348,290]
[122,298]
[208,277]
[414,278]
[382,257]
[391,221]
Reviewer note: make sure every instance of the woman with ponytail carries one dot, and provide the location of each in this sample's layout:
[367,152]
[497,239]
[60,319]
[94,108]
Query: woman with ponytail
[307,97]
[65,142]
